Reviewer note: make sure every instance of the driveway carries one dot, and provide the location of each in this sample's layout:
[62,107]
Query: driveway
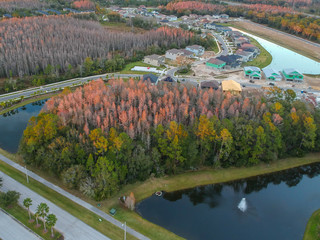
[71,227]
[12,230]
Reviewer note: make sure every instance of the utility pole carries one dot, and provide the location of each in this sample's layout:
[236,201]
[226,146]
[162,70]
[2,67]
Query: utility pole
[125,230]
[27,174]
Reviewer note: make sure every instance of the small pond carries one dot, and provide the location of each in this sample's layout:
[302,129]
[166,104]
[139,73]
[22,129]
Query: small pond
[284,58]
[13,123]
[278,207]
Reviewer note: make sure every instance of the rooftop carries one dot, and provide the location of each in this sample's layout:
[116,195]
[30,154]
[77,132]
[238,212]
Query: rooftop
[216,61]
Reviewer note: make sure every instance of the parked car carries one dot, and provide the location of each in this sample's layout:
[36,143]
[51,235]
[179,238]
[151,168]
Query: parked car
[243,85]
[251,81]
[271,84]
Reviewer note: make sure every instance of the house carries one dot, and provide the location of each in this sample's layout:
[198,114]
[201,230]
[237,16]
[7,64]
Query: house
[252,72]
[223,29]
[154,60]
[210,84]
[215,63]
[291,74]
[231,86]
[232,61]
[172,54]
[224,16]
[187,53]
[151,78]
[245,55]
[211,26]
[172,18]
[271,74]
[196,49]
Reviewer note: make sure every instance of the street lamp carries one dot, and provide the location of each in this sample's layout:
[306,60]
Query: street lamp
[125,230]
[26,173]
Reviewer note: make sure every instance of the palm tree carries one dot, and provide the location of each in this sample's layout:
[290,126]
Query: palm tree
[27,203]
[42,211]
[51,221]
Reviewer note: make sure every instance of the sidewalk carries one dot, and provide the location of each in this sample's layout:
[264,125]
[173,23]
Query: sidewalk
[71,227]
[74,198]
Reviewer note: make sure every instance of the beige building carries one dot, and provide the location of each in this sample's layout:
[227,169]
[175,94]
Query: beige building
[231,86]
[154,60]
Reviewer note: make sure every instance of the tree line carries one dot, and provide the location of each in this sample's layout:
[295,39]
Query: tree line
[99,138]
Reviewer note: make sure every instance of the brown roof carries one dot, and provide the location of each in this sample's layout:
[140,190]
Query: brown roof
[215,61]
[210,84]
[230,85]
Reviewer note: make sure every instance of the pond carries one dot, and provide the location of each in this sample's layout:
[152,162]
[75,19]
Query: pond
[278,207]
[284,58]
[13,124]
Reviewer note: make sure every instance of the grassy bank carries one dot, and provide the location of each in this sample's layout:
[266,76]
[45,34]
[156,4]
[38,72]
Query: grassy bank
[22,215]
[263,59]
[76,210]
[313,227]
[145,189]
[129,66]
[285,41]
[27,101]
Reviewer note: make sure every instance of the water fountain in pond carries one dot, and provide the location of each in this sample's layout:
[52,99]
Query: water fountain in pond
[242,205]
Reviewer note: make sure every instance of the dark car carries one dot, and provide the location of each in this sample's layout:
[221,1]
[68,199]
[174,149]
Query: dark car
[271,84]
[251,81]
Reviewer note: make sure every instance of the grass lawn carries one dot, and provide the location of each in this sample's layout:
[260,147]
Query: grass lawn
[121,27]
[27,101]
[262,60]
[313,227]
[76,210]
[22,215]
[129,66]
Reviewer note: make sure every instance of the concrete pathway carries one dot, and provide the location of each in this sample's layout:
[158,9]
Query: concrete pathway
[71,227]
[75,199]
[10,229]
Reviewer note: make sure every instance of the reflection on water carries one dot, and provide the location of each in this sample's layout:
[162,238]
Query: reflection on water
[14,122]
[281,201]
[284,58]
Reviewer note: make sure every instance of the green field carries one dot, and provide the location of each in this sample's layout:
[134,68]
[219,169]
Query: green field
[313,227]
[129,66]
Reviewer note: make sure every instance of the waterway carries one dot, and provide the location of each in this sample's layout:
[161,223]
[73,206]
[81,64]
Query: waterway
[13,123]
[284,58]
[279,206]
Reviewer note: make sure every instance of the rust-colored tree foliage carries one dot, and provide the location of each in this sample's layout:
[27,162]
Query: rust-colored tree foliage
[136,107]
[83,4]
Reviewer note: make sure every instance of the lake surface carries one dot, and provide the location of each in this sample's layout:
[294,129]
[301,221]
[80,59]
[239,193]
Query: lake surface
[13,123]
[279,206]
[284,58]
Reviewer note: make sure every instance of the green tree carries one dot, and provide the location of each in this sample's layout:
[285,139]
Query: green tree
[51,222]
[309,133]
[88,65]
[226,141]
[27,203]
[42,211]
[9,198]
[259,146]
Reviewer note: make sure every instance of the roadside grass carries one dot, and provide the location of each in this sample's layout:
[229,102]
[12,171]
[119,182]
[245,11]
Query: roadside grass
[313,75]
[262,60]
[312,231]
[106,228]
[27,101]
[129,66]
[22,215]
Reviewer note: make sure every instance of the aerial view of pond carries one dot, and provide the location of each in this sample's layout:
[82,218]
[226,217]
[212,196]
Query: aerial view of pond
[277,207]
[284,58]
[15,122]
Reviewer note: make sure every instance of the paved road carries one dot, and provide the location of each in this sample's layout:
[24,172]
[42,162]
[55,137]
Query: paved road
[71,227]
[75,199]
[12,230]
[63,84]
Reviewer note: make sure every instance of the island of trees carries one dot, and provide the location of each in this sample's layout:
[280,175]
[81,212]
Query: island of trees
[101,137]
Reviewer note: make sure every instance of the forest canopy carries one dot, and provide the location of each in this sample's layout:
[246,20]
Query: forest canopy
[101,137]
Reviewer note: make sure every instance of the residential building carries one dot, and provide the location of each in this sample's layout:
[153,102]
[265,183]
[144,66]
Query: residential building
[154,60]
[291,74]
[196,49]
[224,16]
[245,55]
[172,54]
[215,63]
[210,84]
[187,53]
[211,26]
[231,86]
[232,61]
[252,72]
[172,18]
[151,78]
[271,74]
